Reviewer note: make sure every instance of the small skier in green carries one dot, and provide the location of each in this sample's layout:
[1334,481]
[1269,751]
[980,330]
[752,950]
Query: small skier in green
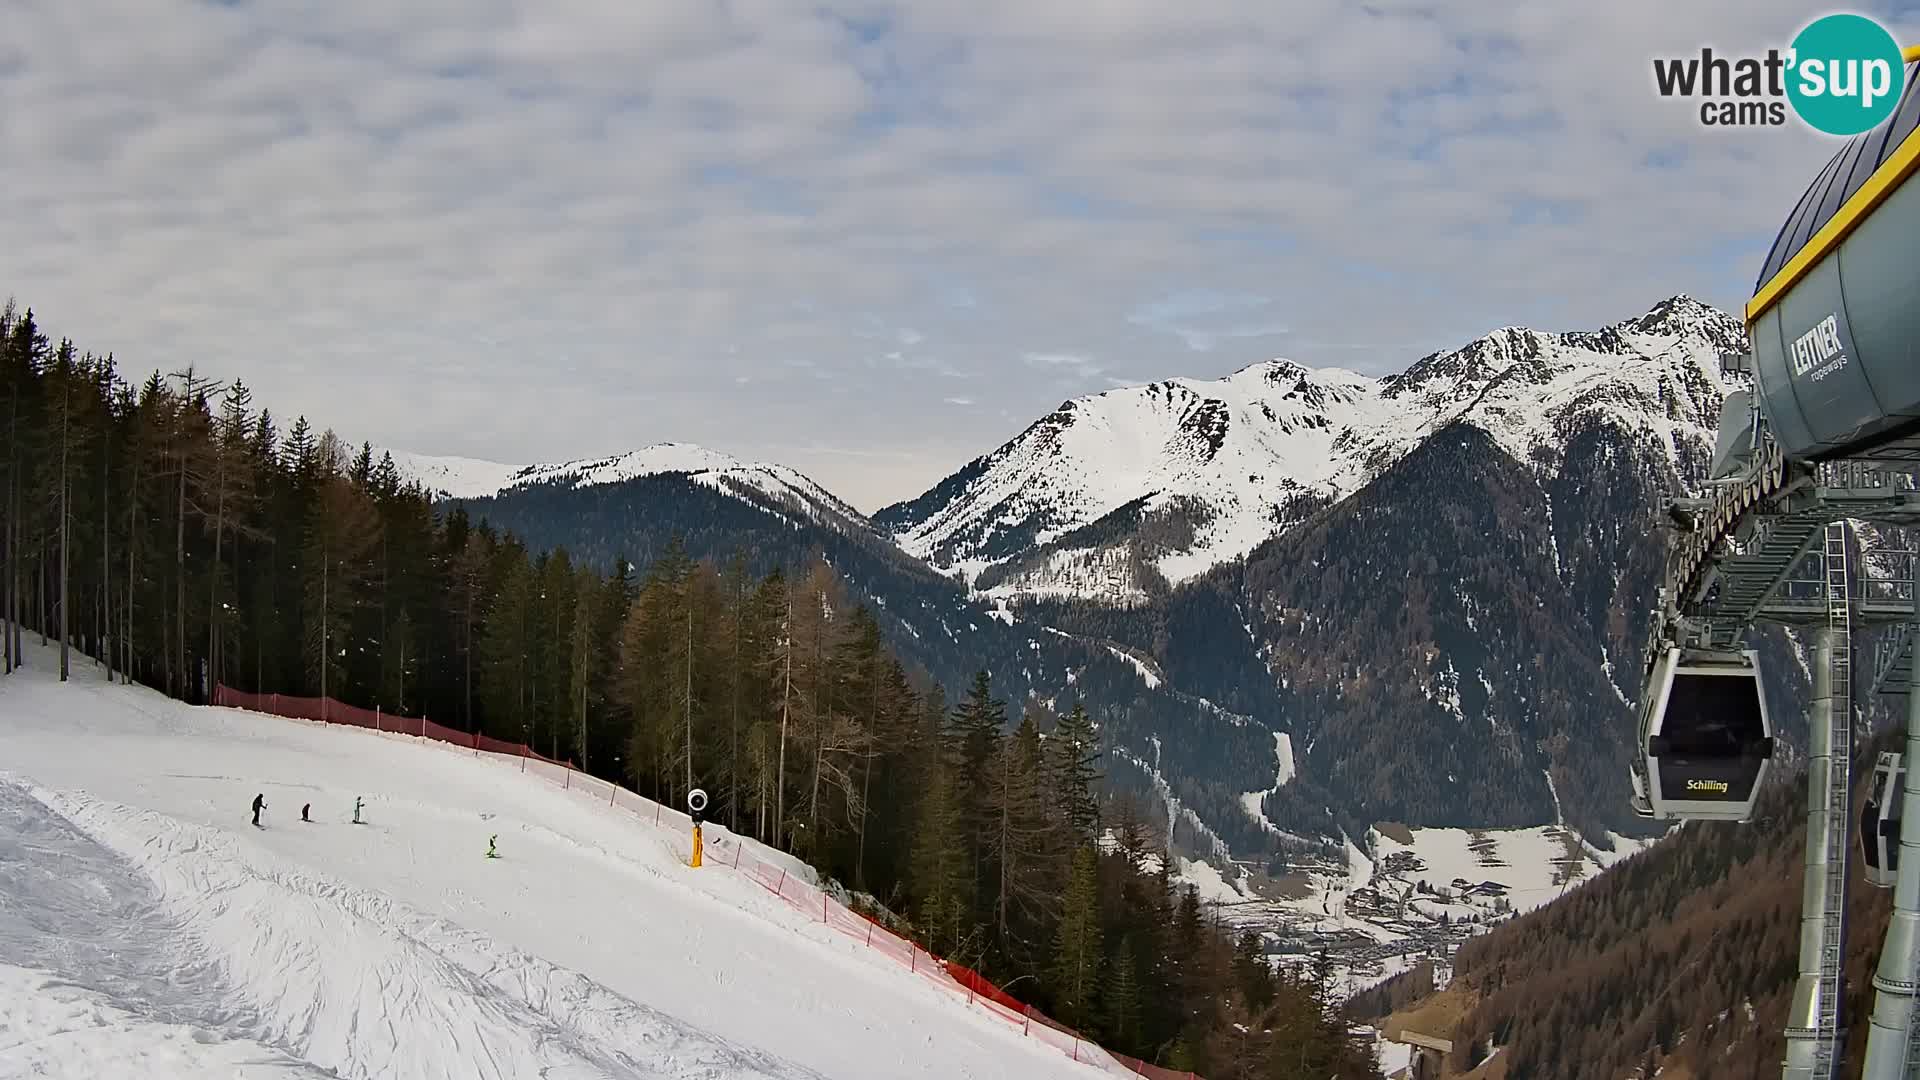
[491,853]
[356,811]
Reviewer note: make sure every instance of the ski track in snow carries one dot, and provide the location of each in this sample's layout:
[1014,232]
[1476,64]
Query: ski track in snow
[50,1027]
[142,916]
[347,979]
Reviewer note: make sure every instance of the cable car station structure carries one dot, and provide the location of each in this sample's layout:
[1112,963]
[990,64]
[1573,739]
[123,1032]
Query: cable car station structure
[1829,432]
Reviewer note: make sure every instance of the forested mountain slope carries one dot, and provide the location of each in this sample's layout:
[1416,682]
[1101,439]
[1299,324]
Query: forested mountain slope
[1441,599]
[1205,756]
[1681,957]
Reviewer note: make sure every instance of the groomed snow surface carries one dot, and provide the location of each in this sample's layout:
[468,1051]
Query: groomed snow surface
[147,929]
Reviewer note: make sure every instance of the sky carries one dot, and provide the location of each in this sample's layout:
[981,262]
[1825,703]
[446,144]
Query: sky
[869,240]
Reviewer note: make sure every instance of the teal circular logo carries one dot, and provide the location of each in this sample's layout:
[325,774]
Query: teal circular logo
[1845,74]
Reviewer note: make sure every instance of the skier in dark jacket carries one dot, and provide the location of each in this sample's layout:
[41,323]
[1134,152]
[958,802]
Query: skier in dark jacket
[259,804]
[304,808]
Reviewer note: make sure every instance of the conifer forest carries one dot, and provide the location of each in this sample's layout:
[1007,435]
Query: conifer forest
[172,530]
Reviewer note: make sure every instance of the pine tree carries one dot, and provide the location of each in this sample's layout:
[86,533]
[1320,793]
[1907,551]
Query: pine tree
[977,726]
[400,657]
[190,450]
[1120,997]
[229,495]
[66,432]
[938,865]
[342,530]
[1024,847]
[580,677]
[1076,963]
[1073,751]
[506,643]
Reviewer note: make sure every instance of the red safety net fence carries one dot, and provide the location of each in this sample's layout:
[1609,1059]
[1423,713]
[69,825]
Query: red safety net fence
[723,850]
[330,711]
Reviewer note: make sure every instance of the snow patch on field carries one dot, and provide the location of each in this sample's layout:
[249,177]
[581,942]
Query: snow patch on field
[1252,800]
[1394,1056]
[1526,861]
[1624,847]
[1207,880]
[1146,673]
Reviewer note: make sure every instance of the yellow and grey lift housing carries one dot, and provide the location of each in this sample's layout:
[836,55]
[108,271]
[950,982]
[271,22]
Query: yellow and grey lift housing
[1833,322]
[1706,741]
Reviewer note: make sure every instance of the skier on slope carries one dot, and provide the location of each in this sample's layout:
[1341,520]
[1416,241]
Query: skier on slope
[259,804]
[304,809]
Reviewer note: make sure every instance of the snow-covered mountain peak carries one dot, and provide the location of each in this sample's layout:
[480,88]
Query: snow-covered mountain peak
[468,478]
[1187,473]
[1681,315]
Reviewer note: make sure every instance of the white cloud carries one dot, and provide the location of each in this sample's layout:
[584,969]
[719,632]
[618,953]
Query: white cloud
[1079,367]
[536,229]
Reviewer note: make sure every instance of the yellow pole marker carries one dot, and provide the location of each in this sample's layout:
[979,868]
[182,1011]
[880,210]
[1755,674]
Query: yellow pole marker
[696,843]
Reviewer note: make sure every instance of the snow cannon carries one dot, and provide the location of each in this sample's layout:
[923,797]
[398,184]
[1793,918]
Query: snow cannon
[1706,740]
[696,806]
[1880,820]
[1834,331]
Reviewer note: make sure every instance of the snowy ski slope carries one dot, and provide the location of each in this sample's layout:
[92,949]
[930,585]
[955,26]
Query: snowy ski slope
[147,929]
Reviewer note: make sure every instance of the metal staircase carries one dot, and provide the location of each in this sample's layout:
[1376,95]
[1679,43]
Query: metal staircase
[1893,659]
[1840,746]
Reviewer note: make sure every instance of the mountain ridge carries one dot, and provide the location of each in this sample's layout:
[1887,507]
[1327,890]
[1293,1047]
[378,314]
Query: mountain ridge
[1167,480]
[1198,627]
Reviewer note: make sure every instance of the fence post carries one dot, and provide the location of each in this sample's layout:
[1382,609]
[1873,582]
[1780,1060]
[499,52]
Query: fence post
[569,786]
[782,887]
[612,791]
[737,845]
[376,719]
[1026,1028]
[656,813]
[1076,1046]
[869,933]
[823,905]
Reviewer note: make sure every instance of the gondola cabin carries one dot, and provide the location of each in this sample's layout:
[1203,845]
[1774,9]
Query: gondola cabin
[1705,737]
[1880,820]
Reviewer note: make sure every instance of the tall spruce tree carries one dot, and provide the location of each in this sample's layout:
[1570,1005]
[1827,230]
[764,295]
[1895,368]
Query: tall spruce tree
[1077,953]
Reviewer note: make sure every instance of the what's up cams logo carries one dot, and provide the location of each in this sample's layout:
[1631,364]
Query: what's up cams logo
[1842,75]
